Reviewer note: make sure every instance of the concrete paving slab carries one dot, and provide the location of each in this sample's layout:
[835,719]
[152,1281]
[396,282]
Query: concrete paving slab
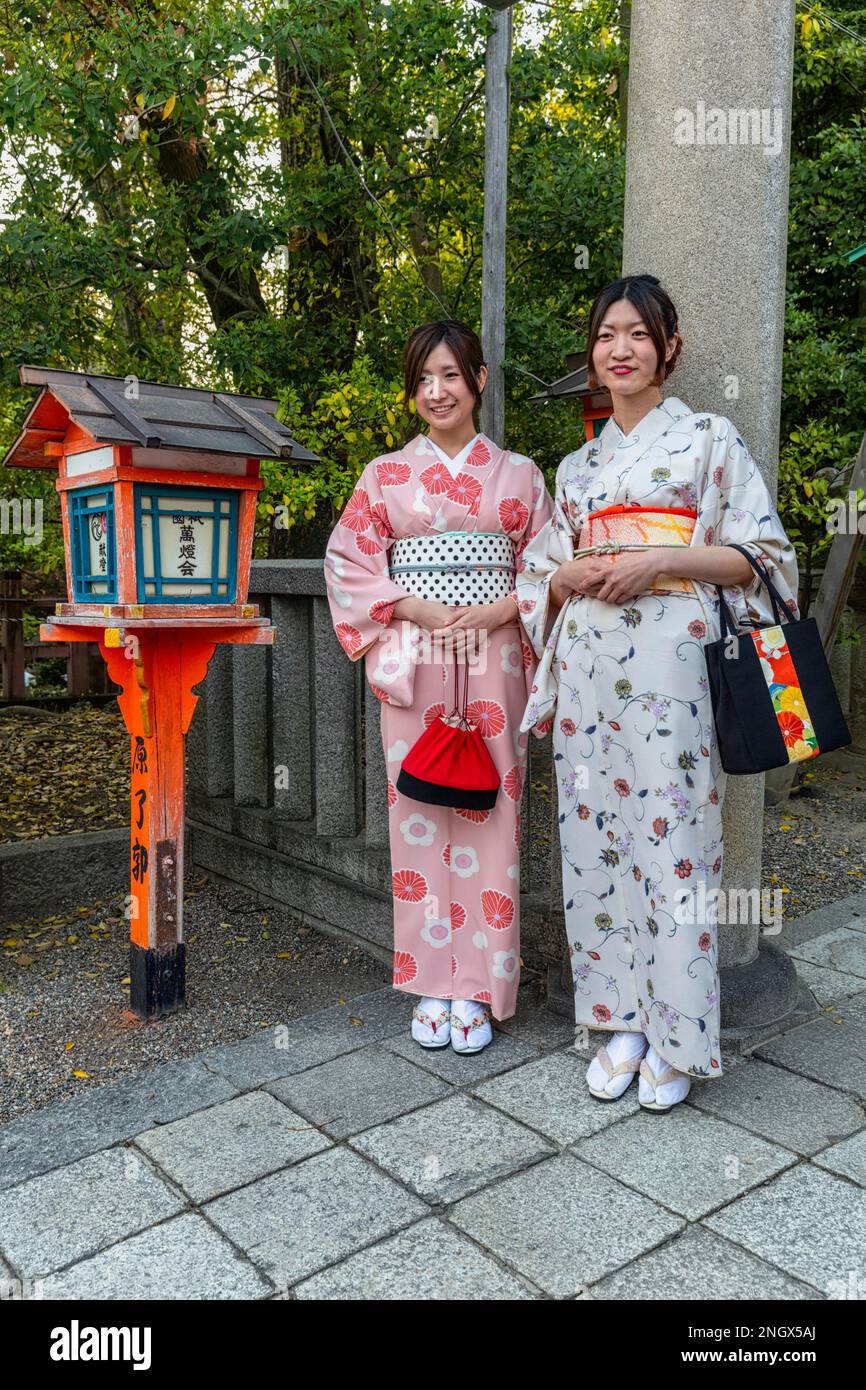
[429,1262]
[296,1222]
[451,1147]
[359,1090]
[230,1144]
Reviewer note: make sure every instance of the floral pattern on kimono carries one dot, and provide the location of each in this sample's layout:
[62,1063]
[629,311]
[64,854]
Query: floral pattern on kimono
[455,873]
[639,780]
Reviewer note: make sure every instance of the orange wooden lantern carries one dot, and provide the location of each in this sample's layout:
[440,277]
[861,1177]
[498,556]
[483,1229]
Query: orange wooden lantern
[158,487]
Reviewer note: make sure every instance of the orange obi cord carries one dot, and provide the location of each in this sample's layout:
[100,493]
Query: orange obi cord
[631,525]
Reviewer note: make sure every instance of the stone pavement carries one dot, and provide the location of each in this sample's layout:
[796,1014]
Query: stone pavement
[334,1159]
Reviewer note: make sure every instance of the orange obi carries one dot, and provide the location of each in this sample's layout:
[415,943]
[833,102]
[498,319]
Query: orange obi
[629,526]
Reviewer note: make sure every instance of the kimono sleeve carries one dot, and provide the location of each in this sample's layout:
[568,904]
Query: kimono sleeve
[541,558]
[736,507]
[361,594]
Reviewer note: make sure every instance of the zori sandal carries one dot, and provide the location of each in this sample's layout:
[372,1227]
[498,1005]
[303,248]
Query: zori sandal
[649,1084]
[431,1022]
[627,1068]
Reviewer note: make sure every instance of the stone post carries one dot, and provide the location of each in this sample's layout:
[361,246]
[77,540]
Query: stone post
[706,210]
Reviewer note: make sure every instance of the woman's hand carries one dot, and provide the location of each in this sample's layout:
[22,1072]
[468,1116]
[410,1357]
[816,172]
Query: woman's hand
[581,576]
[427,613]
[482,617]
[630,573]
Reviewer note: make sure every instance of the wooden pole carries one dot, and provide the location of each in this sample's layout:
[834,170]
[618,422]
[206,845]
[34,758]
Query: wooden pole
[497,98]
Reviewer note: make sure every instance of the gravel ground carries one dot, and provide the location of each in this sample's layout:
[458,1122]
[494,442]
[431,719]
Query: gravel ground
[815,842]
[65,1025]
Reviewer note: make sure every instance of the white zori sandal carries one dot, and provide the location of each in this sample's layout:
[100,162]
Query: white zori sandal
[613,1068]
[431,1022]
[659,1086]
[471,1030]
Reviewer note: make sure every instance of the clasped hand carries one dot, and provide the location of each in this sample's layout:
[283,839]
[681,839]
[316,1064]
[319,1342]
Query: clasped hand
[445,622]
[612,577]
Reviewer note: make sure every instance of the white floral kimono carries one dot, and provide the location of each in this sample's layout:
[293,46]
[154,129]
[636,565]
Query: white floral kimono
[639,778]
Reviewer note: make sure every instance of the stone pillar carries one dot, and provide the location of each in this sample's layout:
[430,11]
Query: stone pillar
[706,210]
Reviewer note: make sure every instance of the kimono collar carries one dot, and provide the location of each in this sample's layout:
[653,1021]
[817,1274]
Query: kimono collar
[420,445]
[655,423]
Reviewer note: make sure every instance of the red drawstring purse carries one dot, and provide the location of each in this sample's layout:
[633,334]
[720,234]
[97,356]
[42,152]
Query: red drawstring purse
[450,765]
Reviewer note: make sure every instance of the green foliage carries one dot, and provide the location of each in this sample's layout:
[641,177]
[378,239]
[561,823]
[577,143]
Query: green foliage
[268,198]
[356,416]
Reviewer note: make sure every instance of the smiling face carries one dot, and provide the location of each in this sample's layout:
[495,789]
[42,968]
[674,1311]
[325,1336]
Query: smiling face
[444,398]
[625,358]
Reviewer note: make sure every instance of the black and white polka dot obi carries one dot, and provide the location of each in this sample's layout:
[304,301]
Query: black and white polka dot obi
[458,567]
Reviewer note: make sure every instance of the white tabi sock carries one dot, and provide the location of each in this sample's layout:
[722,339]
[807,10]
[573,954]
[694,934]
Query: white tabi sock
[622,1047]
[672,1092]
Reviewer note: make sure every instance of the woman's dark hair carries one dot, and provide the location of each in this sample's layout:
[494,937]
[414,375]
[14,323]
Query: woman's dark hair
[465,345]
[655,307]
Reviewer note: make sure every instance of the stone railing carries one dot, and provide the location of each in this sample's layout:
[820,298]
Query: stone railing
[287,786]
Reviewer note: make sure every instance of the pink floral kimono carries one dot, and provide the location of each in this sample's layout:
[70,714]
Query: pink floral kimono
[455,873]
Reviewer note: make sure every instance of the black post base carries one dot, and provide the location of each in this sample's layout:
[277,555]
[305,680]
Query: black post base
[157,980]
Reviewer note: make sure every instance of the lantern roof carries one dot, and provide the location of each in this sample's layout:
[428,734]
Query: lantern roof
[154,416]
[567,387]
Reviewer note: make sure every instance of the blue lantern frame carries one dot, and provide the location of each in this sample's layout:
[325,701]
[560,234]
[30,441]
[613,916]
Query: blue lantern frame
[80,512]
[155,501]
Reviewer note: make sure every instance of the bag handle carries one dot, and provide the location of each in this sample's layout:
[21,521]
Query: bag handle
[780,611]
[459,707]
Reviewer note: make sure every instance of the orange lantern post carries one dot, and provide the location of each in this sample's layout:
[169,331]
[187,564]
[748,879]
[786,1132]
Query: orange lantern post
[158,487]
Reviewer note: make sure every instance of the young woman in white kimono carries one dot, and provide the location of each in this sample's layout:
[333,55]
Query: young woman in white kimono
[455,872]
[620,634]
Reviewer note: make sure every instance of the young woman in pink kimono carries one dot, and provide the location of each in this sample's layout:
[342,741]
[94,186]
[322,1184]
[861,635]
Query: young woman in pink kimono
[620,634]
[447,497]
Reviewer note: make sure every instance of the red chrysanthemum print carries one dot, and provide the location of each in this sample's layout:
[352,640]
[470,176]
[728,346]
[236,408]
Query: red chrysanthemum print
[390,473]
[526,653]
[454,966]
[464,490]
[498,909]
[479,454]
[488,716]
[446,855]
[392,793]
[477,817]
[518,828]
[458,916]
[791,726]
[514,783]
[432,712]
[367,545]
[601,1013]
[409,886]
[483,996]
[405,967]
[436,479]
[382,611]
[356,513]
[349,638]
[546,724]
[381,694]
[381,520]
[513,515]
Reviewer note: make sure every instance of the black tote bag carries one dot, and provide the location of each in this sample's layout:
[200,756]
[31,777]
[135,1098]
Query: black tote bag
[782,710]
